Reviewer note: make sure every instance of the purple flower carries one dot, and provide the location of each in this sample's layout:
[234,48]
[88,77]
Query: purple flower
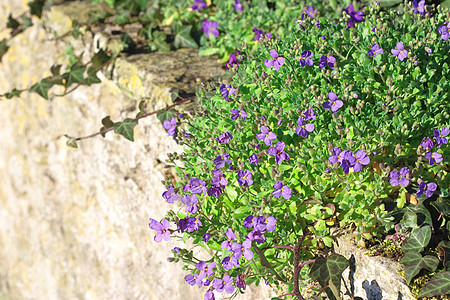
[327,60]
[347,160]
[206,237]
[226,90]
[245,178]
[232,60]
[439,135]
[191,201]
[209,295]
[215,191]
[334,103]
[197,186]
[434,157]
[375,50]
[426,143]
[419,8]
[427,188]
[278,153]
[262,224]
[400,51]
[162,231]
[238,6]
[303,128]
[218,285]
[171,126]
[218,179]
[205,269]
[249,221]
[305,58]
[276,62]
[170,195]
[361,159]
[399,177]
[281,189]
[254,159]
[266,135]
[229,262]
[444,31]
[239,249]
[220,160]
[238,113]
[210,27]
[224,138]
[231,236]
[355,16]
[240,282]
[198,5]
[309,114]
[258,33]
[193,279]
[336,155]
[153,224]
[310,12]
[228,281]
[256,236]
[193,224]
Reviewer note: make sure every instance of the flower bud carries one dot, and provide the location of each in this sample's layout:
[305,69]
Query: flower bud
[398,149]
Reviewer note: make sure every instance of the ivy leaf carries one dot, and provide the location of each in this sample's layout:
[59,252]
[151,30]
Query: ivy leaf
[56,69]
[3,48]
[414,262]
[99,59]
[183,38]
[417,240]
[14,93]
[165,115]
[36,7]
[330,269]
[42,88]
[12,23]
[107,123]
[159,42]
[438,285]
[75,75]
[92,76]
[125,128]
[444,253]
[72,142]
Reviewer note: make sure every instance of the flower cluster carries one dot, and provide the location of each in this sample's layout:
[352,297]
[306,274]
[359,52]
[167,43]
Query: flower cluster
[348,161]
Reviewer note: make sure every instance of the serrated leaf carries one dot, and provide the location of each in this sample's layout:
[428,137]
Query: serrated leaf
[417,240]
[72,142]
[323,270]
[438,285]
[125,128]
[414,262]
[14,93]
[183,38]
[99,59]
[42,88]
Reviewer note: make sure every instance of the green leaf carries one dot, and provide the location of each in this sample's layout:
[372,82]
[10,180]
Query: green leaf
[99,59]
[72,142]
[183,38]
[125,128]
[241,212]
[107,123]
[42,88]
[208,51]
[92,77]
[283,168]
[128,41]
[414,262]
[444,252]
[75,75]
[231,192]
[56,69]
[12,23]
[3,48]
[14,93]
[323,270]
[36,7]
[417,240]
[438,285]
[159,42]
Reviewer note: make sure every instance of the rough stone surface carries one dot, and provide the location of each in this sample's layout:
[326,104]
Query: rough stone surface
[375,277]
